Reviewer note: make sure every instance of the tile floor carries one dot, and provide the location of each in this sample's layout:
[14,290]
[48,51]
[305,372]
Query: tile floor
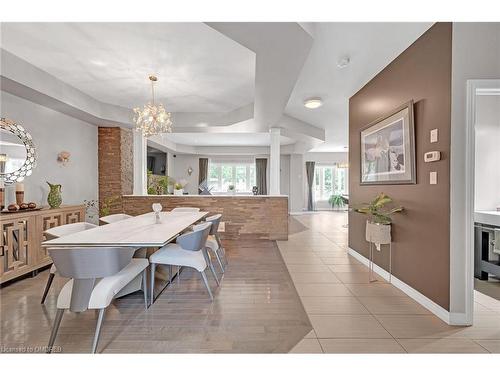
[351,315]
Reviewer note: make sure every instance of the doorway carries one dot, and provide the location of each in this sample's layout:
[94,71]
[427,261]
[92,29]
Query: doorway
[483,200]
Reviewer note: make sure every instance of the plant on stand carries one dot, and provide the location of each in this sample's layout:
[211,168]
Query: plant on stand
[378,225]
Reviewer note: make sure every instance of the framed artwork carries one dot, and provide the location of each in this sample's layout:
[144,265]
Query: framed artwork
[388,149]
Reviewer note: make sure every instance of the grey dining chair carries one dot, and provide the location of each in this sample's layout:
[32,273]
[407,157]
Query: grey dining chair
[56,232]
[188,251]
[97,276]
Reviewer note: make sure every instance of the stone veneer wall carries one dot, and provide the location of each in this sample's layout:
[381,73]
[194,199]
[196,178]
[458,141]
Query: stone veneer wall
[244,217]
[115,165]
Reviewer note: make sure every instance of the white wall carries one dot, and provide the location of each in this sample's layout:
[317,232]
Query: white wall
[285,175]
[181,163]
[326,157]
[475,55]
[487,158]
[52,133]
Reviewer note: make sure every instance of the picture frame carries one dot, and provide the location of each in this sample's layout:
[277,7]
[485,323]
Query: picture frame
[388,149]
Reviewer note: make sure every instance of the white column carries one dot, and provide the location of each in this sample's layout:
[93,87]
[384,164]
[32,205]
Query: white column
[296,197]
[140,164]
[274,161]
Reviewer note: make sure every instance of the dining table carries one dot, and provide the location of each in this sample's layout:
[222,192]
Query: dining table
[146,231]
[138,231]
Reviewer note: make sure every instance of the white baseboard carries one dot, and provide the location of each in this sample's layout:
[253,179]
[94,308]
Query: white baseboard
[441,313]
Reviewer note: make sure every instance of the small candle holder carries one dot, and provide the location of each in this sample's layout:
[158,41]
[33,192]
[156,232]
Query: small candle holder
[157,209]
[19,193]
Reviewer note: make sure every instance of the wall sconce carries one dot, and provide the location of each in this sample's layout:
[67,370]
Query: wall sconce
[63,157]
[190,171]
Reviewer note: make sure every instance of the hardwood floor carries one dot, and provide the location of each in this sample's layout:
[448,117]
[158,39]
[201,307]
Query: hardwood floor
[256,310]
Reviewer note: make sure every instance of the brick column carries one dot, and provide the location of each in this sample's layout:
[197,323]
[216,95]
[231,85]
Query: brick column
[116,165]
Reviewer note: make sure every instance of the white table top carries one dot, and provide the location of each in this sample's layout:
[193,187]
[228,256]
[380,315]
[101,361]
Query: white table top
[138,231]
[487,217]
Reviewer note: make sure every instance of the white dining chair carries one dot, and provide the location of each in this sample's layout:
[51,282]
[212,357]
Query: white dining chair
[114,218]
[140,252]
[56,232]
[97,276]
[214,243]
[185,209]
[188,251]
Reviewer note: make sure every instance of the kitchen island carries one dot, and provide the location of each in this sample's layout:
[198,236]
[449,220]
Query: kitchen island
[244,216]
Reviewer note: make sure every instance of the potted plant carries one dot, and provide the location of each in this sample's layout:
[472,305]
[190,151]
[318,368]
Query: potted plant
[378,225]
[163,183]
[231,189]
[106,205]
[178,189]
[337,201]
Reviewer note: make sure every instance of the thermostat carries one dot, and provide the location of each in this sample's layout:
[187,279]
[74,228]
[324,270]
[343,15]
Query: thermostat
[432,156]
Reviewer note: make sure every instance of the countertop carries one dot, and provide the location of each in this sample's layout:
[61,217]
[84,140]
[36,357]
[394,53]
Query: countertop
[209,196]
[487,217]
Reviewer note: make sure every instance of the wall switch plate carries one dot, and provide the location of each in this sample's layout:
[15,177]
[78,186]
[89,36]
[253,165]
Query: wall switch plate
[434,135]
[433,178]
[432,156]
[222,226]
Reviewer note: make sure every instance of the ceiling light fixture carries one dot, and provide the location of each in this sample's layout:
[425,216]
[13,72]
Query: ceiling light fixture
[313,103]
[343,62]
[152,119]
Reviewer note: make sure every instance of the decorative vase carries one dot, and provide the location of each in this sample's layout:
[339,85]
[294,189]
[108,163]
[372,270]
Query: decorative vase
[255,190]
[178,191]
[379,234]
[54,199]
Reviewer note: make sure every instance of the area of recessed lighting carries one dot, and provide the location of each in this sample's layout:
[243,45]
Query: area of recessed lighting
[313,103]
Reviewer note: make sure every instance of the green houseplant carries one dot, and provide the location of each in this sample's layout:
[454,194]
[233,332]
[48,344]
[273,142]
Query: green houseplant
[336,201]
[178,189]
[378,225]
[106,205]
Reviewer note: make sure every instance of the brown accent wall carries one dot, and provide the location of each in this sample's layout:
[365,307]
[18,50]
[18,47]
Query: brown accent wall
[244,217]
[115,164]
[421,247]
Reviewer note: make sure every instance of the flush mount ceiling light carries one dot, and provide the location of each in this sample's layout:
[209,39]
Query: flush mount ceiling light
[313,103]
[152,119]
[343,62]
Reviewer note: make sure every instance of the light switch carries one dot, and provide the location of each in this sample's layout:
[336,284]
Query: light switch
[434,135]
[433,178]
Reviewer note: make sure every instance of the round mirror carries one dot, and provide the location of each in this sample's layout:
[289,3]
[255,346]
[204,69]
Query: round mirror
[17,152]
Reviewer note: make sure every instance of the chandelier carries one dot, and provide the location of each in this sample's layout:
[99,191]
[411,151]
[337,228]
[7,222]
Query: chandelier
[152,119]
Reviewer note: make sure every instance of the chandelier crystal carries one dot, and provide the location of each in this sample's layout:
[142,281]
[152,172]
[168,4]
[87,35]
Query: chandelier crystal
[152,119]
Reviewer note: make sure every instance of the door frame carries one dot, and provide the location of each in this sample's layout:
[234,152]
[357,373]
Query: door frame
[475,87]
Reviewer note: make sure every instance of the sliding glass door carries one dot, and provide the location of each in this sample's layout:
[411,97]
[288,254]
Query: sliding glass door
[329,180]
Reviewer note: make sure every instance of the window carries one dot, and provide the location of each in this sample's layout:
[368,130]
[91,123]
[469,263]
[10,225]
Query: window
[221,174]
[329,180]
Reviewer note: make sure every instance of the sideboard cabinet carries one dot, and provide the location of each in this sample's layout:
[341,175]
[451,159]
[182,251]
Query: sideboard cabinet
[22,234]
